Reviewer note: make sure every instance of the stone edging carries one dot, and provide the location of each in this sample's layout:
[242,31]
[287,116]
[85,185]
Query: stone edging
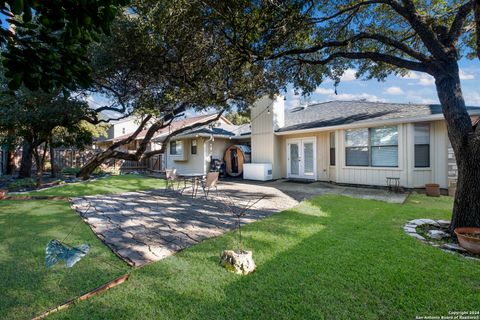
[410,228]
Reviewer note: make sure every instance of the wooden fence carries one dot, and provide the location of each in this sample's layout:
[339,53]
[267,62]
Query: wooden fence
[74,158]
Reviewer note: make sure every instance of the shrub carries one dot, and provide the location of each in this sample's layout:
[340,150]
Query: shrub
[26,183]
[71,171]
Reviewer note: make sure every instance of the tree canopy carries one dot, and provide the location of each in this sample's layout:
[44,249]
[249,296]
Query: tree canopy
[46,43]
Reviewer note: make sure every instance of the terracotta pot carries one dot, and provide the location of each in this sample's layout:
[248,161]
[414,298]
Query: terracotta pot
[470,244]
[432,189]
[3,193]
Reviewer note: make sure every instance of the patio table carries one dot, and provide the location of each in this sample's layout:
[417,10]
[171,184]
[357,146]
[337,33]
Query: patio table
[194,178]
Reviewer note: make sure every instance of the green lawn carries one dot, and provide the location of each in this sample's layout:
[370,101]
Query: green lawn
[27,287]
[331,257]
[107,185]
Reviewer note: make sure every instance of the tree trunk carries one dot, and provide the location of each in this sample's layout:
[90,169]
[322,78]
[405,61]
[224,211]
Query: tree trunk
[466,208]
[10,168]
[53,170]
[26,162]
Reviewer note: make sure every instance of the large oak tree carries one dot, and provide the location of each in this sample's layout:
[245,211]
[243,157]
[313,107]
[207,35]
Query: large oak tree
[313,40]
[166,57]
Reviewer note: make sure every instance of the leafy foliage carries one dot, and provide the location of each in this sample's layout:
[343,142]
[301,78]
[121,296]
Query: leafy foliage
[48,40]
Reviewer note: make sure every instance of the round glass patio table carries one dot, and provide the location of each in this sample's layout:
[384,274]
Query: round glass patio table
[193,178]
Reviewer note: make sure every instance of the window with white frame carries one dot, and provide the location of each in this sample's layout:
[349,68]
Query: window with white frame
[422,145]
[372,147]
[176,148]
[332,148]
[193,147]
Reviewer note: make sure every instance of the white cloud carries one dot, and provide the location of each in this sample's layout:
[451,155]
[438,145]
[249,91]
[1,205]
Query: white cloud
[472,98]
[349,75]
[394,90]
[465,75]
[423,79]
[324,91]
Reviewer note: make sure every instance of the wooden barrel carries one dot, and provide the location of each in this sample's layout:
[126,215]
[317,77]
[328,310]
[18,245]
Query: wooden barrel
[235,157]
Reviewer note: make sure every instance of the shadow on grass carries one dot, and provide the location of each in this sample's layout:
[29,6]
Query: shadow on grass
[27,286]
[349,259]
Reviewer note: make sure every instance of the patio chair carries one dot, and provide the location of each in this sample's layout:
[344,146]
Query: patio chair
[171,178]
[209,182]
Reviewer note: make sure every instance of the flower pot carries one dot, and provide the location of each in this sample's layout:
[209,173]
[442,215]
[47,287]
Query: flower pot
[469,239]
[3,193]
[432,189]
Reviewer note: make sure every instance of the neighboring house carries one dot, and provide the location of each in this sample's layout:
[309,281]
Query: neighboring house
[354,142]
[191,151]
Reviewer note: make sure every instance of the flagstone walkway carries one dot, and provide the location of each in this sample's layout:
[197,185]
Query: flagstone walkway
[141,227]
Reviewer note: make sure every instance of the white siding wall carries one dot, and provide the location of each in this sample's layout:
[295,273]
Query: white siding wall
[266,146]
[410,176]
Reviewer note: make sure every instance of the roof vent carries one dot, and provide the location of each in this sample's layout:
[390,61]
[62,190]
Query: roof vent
[297,109]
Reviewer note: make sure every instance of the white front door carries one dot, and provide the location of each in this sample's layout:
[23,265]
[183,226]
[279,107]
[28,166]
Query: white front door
[301,158]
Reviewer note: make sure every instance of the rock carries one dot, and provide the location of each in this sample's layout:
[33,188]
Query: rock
[409,229]
[417,222]
[430,222]
[238,262]
[453,247]
[443,223]
[437,234]
[416,235]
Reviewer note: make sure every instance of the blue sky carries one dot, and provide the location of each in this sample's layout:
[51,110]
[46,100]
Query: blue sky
[415,88]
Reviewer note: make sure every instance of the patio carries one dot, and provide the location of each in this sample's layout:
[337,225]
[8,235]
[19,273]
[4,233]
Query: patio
[145,226]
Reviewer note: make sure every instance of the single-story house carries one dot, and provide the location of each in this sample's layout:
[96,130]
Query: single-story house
[346,142]
[354,142]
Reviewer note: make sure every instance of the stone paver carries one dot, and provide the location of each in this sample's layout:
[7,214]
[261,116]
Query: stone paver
[147,226]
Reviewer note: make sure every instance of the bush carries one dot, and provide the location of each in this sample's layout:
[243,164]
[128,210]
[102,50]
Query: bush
[100,171]
[26,183]
[71,171]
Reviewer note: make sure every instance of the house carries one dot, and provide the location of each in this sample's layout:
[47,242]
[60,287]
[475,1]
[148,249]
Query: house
[189,152]
[355,142]
[346,142]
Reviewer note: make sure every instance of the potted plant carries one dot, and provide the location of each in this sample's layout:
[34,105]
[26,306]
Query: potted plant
[432,189]
[469,239]
[239,261]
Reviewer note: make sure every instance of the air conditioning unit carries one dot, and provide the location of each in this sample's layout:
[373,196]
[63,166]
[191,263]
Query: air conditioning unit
[257,171]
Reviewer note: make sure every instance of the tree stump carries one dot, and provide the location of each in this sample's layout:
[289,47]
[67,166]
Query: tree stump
[238,262]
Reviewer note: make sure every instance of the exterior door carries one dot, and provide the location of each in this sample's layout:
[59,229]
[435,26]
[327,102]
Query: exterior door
[301,158]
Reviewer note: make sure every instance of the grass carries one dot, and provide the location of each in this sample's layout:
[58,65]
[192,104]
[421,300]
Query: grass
[107,185]
[332,257]
[27,287]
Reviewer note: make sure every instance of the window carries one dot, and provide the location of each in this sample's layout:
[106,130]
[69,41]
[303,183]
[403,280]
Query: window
[384,147]
[176,148]
[374,147]
[356,150]
[193,147]
[332,148]
[422,145]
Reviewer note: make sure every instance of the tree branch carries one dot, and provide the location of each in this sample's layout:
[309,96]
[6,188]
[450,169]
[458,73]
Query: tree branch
[476,10]
[373,56]
[361,36]
[457,25]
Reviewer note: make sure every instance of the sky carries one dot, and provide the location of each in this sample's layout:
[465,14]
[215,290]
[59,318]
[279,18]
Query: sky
[416,87]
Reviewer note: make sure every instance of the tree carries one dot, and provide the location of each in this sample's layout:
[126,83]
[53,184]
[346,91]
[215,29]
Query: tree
[238,117]
[163,58]
[47,41]
[36,118]
[311,40]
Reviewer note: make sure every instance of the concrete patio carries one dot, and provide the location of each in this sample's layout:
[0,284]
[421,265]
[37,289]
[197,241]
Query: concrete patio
[146,226]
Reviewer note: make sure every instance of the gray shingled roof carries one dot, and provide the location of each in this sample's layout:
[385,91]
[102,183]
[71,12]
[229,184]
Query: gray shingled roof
[336,113]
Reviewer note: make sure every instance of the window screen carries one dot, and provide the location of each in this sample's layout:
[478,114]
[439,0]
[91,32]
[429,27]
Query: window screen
[356,151]
[422,145]
[332,148]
